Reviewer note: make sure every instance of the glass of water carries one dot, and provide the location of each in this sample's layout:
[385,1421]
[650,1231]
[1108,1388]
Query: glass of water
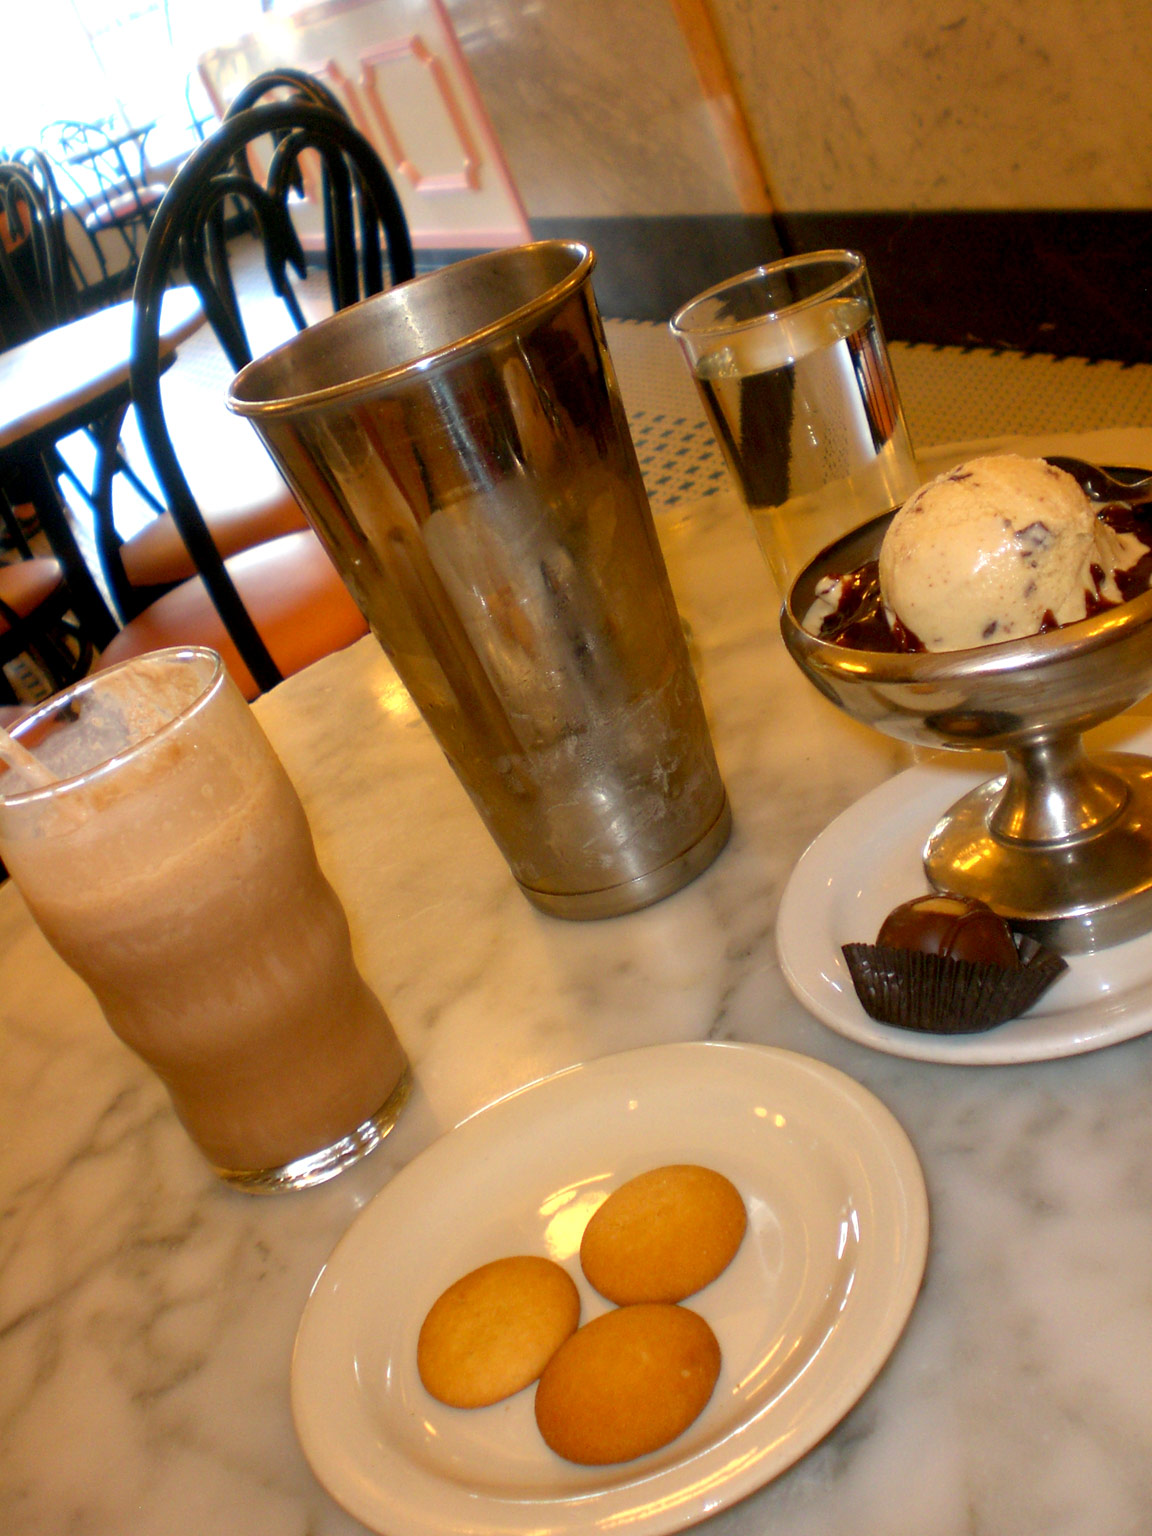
[794,373]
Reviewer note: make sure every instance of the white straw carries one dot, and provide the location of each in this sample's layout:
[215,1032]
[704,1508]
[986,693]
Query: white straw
[20,758]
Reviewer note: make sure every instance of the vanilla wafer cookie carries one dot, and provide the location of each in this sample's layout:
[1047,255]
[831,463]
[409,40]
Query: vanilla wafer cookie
[494,1330]
[663,1235]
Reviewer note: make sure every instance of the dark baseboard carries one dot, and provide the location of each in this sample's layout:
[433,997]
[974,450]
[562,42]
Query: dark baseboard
[1075,283]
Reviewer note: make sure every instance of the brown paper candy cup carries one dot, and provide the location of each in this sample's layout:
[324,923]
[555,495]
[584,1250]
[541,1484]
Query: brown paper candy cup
[941,996]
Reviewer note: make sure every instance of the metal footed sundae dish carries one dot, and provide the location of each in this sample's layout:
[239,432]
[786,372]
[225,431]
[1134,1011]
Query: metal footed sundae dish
[1060,843]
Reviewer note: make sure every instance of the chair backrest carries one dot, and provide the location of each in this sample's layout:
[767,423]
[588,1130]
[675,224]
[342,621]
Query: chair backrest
[89,278]
[104,175]
[89,281]
[286,83]
[284,78]
[35,293]
[106,165]
[363,219]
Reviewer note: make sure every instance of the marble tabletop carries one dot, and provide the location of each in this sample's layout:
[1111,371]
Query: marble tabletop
[147,1313]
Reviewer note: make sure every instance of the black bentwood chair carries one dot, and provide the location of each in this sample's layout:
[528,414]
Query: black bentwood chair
[35,288]
[279,83]
[41,642]
[297,82]
[139,569]
[86,280]
[107,172]
[275,607]
[43,647]
[43,285]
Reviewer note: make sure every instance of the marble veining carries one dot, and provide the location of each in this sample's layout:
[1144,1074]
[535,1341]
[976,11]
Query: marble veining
[939,105]
[147,1312]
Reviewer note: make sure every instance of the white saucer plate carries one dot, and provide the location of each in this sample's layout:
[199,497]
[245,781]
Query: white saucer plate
[867,862]
[806,1314]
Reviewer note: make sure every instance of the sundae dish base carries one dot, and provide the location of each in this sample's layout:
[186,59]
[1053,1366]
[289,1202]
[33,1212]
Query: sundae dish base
[869,859]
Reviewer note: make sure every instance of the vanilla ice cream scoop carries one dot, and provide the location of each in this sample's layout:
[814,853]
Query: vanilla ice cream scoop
[997,549]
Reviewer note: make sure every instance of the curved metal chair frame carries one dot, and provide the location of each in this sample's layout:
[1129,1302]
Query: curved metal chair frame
[36,294]
[188,230]
[45,289]
[79,292]
[119,199]
[302,87]
[284,77]
[51,636]
[33,271]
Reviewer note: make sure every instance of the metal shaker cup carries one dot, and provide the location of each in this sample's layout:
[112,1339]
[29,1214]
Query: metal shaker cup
[460,447]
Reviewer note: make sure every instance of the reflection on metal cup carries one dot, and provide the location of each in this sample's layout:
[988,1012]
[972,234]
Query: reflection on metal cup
[460,446]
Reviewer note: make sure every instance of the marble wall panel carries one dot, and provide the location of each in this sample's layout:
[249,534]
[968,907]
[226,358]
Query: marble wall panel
[869,105]
[596,105]
[934,104]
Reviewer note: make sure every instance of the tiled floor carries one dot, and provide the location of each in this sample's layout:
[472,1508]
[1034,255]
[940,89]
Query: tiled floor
[949,394]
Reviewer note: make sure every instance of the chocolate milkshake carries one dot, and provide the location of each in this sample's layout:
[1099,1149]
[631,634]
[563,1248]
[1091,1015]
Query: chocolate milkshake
[180,881]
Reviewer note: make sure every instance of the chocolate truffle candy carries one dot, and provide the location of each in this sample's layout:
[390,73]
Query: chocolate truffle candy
[957,927]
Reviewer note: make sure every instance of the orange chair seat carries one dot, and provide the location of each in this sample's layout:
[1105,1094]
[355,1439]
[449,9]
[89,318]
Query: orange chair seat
[298,603]
[27,584]
[157,555]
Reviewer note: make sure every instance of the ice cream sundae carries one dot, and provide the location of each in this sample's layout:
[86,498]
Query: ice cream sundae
[995,550]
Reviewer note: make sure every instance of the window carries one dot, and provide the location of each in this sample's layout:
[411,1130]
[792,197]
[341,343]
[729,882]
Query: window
[133,63]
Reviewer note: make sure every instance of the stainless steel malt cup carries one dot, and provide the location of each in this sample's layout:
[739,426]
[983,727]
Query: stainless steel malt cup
[460,446]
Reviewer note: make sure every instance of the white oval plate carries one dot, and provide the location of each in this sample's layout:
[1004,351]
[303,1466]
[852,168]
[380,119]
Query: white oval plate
[806,1314]
[867,862]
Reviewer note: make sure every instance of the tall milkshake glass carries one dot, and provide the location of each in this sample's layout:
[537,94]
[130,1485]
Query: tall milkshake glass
[792,367]
[170,864]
